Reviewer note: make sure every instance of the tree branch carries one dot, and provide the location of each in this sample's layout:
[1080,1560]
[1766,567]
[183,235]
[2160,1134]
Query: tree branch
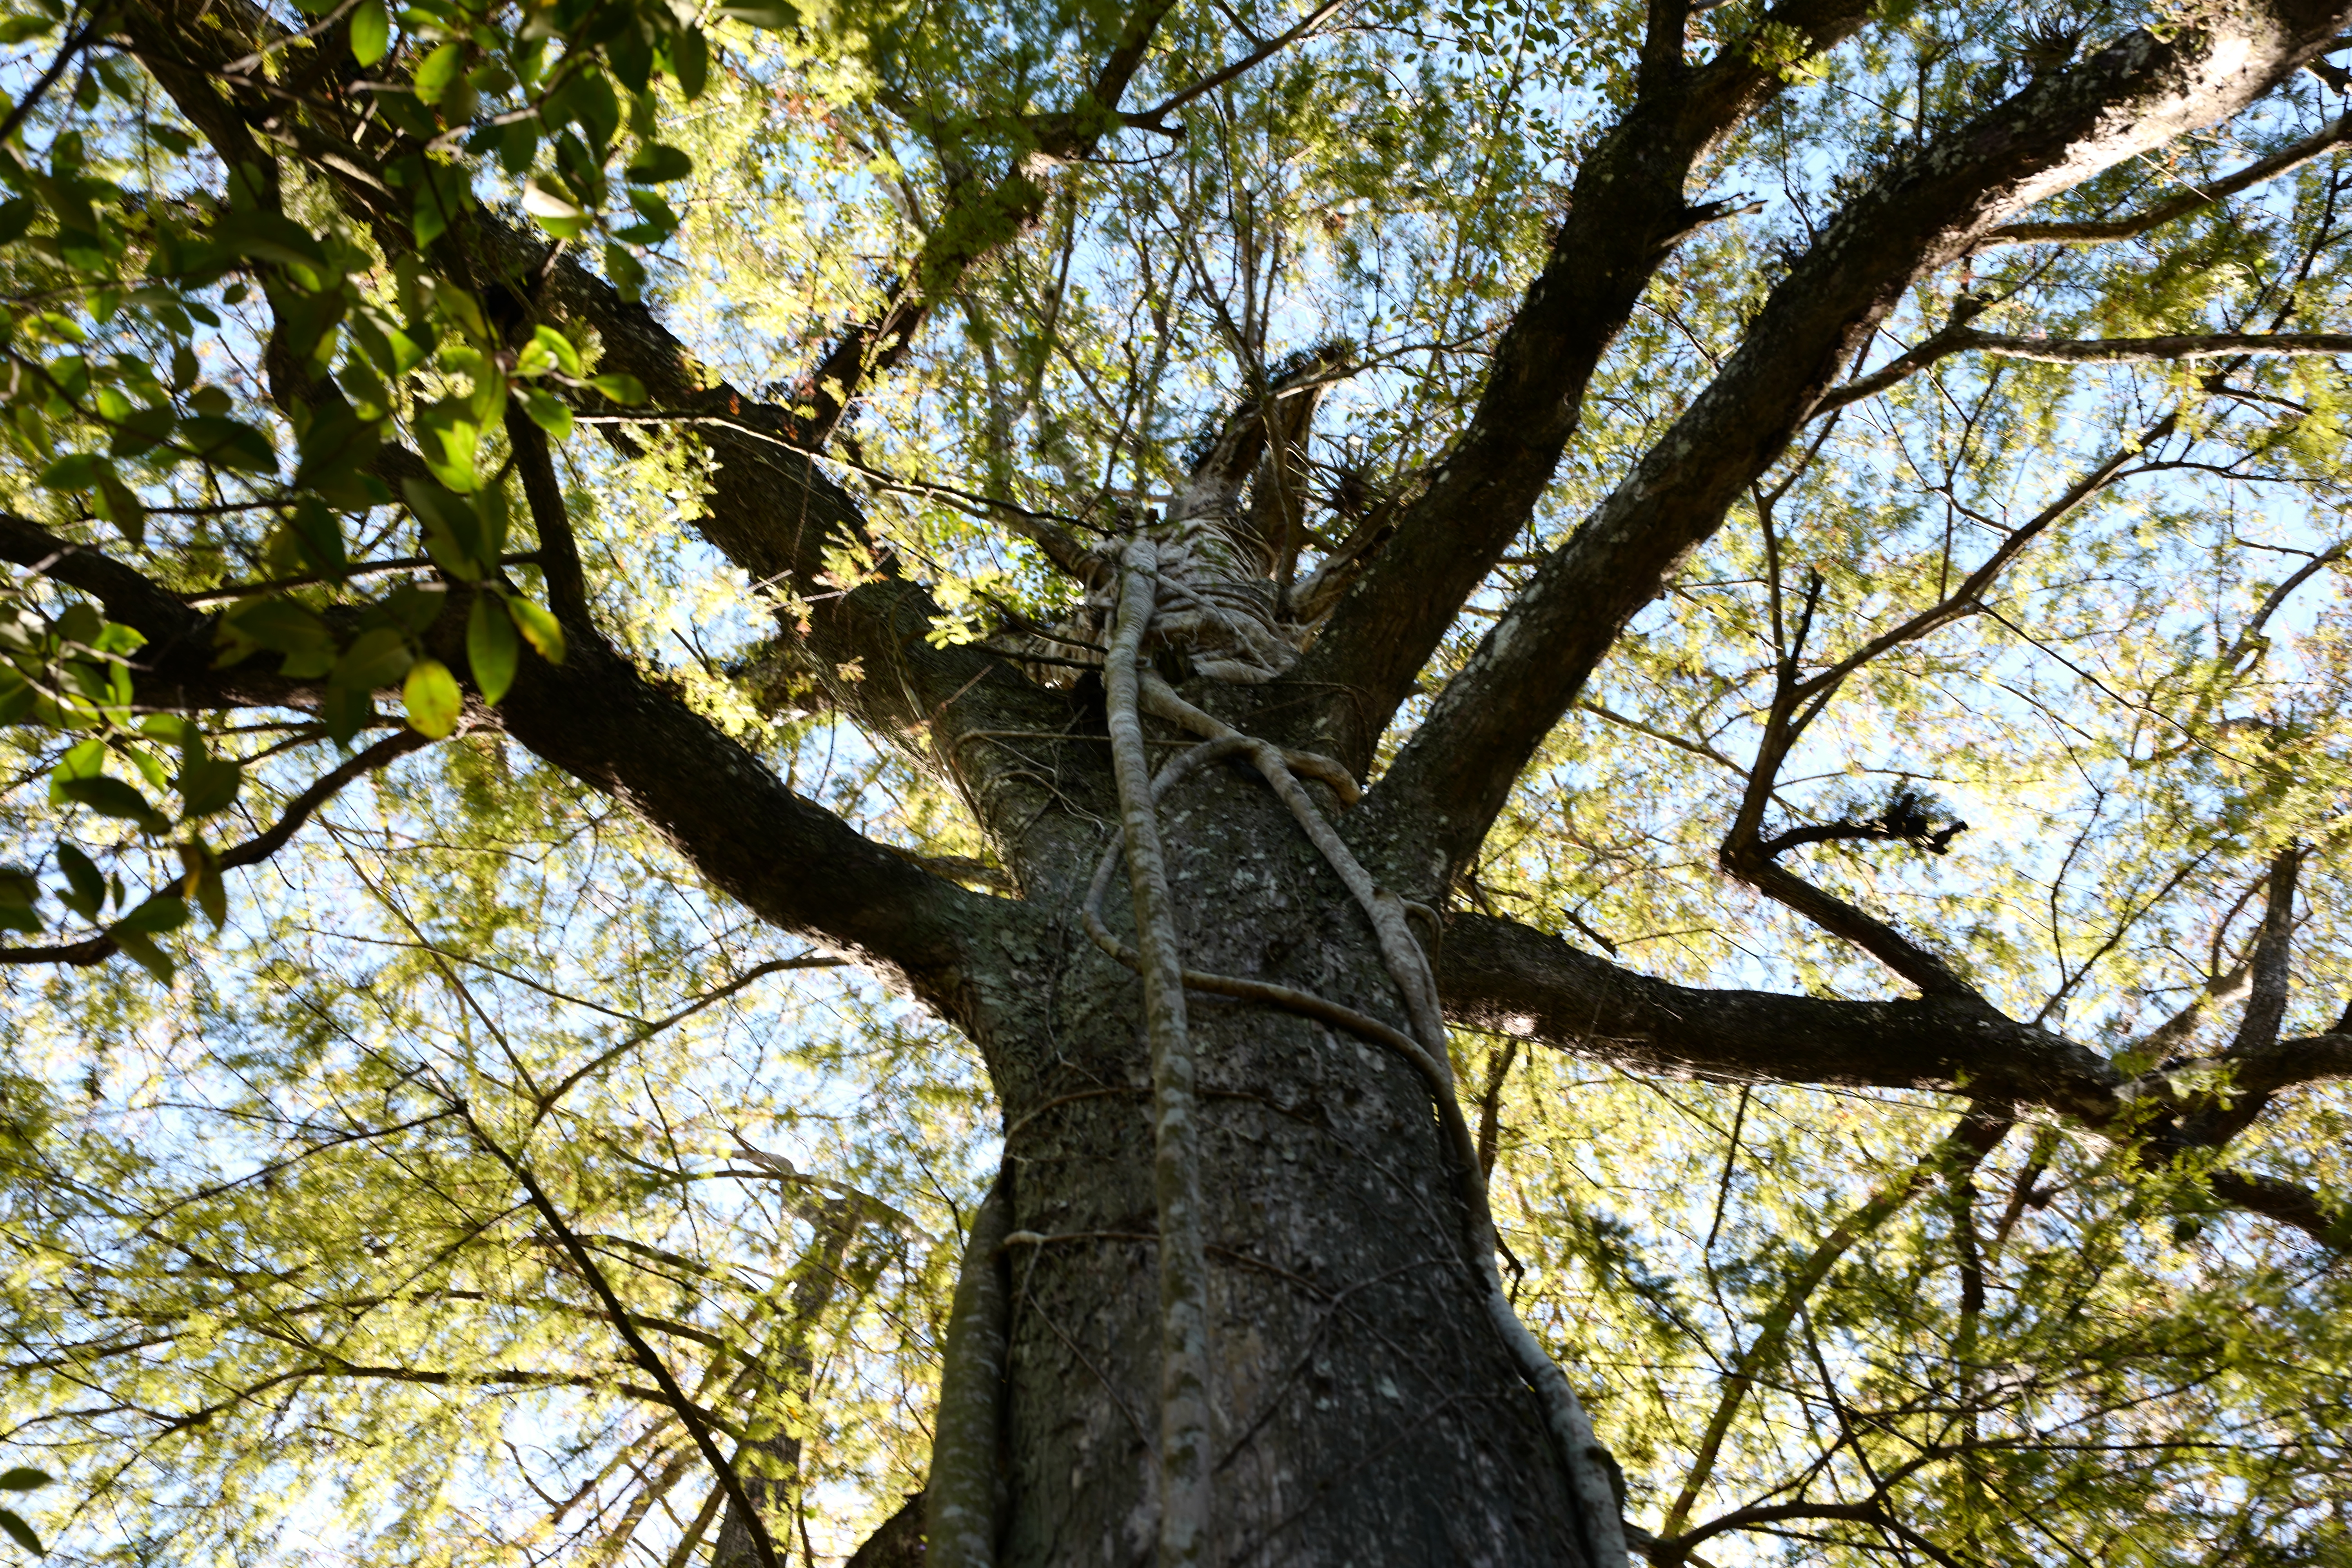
[1499,976]
[252,852]
[2284,160]
[977,224]
[1627,207]
[558,551]
[1513,980]
[1960,338]
[623,1325]
[2065,127]
[598,718]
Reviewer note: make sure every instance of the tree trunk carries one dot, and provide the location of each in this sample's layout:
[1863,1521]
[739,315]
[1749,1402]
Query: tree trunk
[1366,1410]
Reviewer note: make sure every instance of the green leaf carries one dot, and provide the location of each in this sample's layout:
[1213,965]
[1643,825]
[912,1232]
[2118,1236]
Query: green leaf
[773,15]
[278,624]
[208,784]
[85,889]
[452,530]
[492,649]
[451,439]
[415,606]
[122,509]
[73,473]
[370,32]
[259,235]
[656,164]
[620,387]
[549,412]
[689,59]
[165,911]
[230,444]
[318,536]
[151,958]
[518,145]
[375,659]
[546,340]
[20,898]
[538,628]
[593,104]
[141,430]
[204,882]
[438,70]
[346,711]
[555,208]
[627,273]
[432,698]
[110,796]
[18,1530]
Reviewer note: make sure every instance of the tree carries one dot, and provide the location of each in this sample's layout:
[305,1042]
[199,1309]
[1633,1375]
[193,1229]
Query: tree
[517,505]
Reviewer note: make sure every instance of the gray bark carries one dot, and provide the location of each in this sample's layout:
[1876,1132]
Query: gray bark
[1364,1408]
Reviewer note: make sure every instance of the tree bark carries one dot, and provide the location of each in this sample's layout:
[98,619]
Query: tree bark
[1364,1408]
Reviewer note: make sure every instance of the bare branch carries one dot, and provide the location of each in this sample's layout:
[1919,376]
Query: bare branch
[980,223]
[697,1424]
[1152,118]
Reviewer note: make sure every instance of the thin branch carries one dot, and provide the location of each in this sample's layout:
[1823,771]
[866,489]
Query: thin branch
[1150,118]
[253,851]
[74,45]
[558,551]
[672,1394]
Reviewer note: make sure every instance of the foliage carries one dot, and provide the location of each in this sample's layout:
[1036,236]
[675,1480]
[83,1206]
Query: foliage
[271,1289]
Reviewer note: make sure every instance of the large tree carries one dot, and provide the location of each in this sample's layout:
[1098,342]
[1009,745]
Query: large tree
[1245,565]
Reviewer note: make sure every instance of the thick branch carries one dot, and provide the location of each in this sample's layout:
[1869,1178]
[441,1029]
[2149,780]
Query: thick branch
[1509,978]
[2134,95]
[596,717]
[1499,976]
[774,512]
[2284,160]
[2266,1005]
[1628,207]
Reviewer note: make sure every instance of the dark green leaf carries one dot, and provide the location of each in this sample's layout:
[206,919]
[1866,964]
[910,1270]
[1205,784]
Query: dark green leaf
[165,911]
[620,387]
[453,529]
[375,659]
[112,797]
[689,61]
[230,444]
[438,71]
[547,412]
[208,784]
[657,163]
[491,651]
[18,1530]
[85,889]
[774,14]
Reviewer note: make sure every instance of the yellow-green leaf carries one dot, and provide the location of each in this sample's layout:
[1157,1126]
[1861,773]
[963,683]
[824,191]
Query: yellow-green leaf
[431,694]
